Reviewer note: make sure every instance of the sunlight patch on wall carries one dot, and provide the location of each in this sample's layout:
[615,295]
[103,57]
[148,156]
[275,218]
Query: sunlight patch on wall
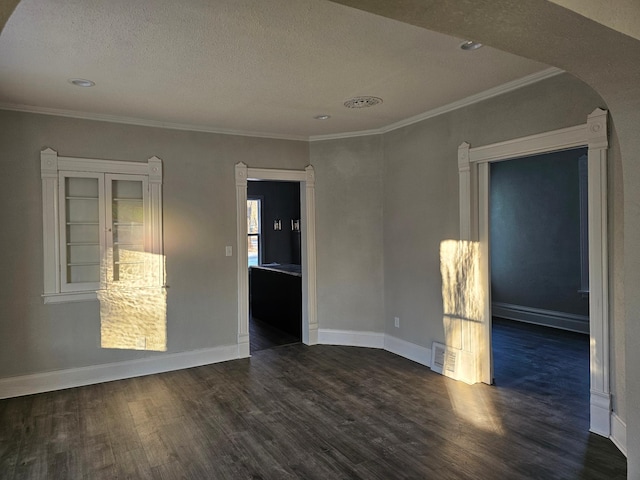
[464,304]
[462,295]
[133,306]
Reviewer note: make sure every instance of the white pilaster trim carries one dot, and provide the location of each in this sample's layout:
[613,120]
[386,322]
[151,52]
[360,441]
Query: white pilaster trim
[310,330]
[241,175]
[464,172]
[598,263]
[483,366]
[155,227]
[600,413]
[50,231]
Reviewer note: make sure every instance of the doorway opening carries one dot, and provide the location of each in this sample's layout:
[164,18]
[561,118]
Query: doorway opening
[275,264]
[306,225]
[538,263]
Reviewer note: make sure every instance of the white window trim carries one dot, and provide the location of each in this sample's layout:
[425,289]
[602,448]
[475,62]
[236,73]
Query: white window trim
[51,164]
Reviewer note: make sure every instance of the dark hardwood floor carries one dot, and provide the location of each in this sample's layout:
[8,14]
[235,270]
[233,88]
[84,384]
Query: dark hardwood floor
[322,412]
[263,336]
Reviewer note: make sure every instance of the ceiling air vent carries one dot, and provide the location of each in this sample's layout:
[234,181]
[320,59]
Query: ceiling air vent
[362,102]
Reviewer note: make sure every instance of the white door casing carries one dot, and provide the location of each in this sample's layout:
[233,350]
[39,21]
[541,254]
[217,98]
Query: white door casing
[473,165]
[306,178]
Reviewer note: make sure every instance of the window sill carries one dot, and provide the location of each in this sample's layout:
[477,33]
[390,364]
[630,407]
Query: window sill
[69,297]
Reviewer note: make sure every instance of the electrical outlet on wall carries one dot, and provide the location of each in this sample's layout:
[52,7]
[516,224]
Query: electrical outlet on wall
[396,322]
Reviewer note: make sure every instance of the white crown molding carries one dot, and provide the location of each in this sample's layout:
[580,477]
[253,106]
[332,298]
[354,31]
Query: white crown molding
[492,92]
[141,122]
[464,102]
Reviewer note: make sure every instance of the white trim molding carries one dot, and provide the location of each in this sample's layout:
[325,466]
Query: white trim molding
[242,254]
[351,338]
[306,177]
[53,168]
[475,214]
[411,351]
[553,141]
[619,433]
[78,377]
[395,345]
[540,316]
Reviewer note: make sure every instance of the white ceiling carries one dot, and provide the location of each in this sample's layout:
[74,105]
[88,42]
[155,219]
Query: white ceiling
[263,67]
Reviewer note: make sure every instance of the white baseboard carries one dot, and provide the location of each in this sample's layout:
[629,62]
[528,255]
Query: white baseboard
[417,353]
[77,377]
[390,343]
[350,338]
[538,316]
[619,433]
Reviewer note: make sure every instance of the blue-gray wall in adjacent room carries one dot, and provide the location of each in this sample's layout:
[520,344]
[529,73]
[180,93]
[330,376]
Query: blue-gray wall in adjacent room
[281,201]
[535,232]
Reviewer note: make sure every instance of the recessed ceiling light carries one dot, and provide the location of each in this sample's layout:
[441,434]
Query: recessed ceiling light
[362,102]
[324,116]
[470,45]
[81,82]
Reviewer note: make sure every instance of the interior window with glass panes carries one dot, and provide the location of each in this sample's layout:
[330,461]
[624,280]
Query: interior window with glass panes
[102,224]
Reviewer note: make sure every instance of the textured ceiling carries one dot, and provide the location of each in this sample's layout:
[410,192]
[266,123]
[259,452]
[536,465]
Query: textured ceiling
[252,66]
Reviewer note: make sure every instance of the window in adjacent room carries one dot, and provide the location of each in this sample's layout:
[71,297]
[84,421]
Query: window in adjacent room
[254,230]
[102,225]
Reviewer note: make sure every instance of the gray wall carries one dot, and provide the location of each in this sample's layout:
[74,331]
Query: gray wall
[349,190]
[199,220]
[281,200]
[534,212]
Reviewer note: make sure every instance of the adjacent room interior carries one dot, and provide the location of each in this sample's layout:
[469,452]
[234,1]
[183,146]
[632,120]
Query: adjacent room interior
[539,273]
[275,264]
